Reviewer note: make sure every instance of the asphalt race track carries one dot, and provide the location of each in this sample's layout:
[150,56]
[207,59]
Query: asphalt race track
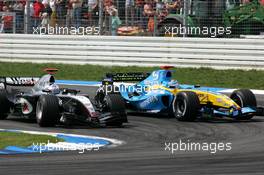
[144,151]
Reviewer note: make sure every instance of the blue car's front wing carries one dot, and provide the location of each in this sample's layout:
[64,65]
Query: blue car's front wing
[245,111]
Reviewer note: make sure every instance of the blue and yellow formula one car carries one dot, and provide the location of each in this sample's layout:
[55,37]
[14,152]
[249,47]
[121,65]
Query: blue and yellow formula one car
[159,93]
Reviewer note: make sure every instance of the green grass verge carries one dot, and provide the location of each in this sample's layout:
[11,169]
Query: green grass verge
[23,139]
[203,76]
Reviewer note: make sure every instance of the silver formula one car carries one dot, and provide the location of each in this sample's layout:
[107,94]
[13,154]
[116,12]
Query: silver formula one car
[50,105]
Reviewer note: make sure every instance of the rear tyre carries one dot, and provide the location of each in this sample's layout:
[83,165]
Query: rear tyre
[116,105]
[4,105]
[47,110]
[186,106]
[244,98]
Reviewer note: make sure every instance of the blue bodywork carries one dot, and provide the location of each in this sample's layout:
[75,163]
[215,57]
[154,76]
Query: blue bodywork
[150,101]
[161,100]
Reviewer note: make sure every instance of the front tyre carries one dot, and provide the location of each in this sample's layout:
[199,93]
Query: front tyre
[244,98]
[47,110]
[4,105]
[186,106]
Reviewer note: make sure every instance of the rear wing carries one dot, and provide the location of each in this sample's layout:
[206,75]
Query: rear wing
[130,76]
[17,81]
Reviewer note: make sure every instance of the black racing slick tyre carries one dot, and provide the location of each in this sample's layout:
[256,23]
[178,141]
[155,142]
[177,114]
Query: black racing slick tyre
[47,110]
[116,105]
[186,106]
[4,105]
[115,102]
[244,98]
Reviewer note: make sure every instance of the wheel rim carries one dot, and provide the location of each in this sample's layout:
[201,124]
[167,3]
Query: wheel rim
[39,111]
[238,99]
[180,108]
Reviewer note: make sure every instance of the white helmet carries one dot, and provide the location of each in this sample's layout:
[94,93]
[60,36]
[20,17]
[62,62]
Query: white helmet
[53,88]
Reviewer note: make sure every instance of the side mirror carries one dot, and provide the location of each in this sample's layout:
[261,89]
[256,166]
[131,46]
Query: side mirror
[70,91]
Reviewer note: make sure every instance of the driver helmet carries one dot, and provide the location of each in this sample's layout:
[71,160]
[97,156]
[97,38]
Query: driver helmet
[53,88]
[173,84]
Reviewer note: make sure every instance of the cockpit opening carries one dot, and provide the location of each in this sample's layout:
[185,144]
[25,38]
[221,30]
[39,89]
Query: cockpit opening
[168,74]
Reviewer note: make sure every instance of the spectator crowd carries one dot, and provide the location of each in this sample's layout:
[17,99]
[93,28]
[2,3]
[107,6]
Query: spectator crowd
[76,13]
[86,13]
